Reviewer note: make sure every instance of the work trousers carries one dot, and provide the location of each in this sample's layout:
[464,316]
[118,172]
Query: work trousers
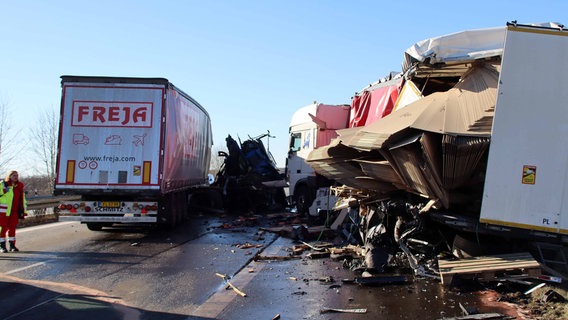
[8,226]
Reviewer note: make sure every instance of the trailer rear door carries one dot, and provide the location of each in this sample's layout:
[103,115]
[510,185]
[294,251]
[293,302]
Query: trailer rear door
[110,136]
[526,177]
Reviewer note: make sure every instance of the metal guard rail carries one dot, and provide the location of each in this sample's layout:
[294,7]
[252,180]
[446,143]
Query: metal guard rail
[48,201]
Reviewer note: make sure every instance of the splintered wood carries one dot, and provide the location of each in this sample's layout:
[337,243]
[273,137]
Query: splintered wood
[239,292]
[487,267]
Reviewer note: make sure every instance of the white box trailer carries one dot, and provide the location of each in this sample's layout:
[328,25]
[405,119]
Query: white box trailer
[134,149]
[527,170]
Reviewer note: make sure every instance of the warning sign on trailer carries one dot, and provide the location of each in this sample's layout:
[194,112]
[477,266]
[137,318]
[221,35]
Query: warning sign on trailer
[529,174]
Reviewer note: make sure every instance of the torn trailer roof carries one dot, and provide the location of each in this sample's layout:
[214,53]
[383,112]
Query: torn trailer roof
[436,146]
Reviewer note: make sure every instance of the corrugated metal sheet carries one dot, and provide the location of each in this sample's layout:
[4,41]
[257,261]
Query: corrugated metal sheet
[467,109]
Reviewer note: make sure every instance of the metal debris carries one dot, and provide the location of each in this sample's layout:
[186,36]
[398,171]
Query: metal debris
[328,310]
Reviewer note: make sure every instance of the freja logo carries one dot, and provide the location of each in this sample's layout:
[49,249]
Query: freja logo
[111,114]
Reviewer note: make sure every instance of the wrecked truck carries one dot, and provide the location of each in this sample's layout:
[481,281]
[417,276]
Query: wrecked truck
[476,161]
[249,179]
[316,125]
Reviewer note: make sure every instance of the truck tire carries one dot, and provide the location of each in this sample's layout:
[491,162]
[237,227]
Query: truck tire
[280,198]
[172,211]
[303,199]
[175,208]
[95,226]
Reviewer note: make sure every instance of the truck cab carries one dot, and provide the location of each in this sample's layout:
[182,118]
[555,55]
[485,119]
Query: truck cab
[311,127]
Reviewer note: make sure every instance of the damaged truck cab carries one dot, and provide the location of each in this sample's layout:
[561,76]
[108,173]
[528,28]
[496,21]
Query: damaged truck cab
[311,127]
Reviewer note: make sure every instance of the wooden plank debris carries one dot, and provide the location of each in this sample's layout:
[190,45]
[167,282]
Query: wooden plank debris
[320,247]
[239,292]
[359,310]
[279,258]
[349,250]
[486,267]
[249,245]
[299,249]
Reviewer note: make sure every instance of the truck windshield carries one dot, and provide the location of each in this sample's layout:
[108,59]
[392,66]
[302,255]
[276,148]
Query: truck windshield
[295,141]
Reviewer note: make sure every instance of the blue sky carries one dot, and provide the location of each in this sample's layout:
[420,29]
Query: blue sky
[251,64]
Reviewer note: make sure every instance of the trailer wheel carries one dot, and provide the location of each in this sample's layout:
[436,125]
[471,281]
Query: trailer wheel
[303,199]
[175,209]
[95,226]
[172,209]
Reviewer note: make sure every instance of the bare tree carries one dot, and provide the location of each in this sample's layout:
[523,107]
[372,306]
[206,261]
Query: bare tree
[9,146]
[44,141]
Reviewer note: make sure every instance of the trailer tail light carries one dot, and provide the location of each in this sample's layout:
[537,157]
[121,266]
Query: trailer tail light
[154,208]
[87,209]
[68,206]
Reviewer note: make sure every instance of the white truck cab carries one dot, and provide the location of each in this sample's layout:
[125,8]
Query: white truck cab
[311,127]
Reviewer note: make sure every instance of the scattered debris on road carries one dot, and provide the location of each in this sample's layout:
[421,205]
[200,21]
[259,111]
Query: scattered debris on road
[230,285]
[328,310]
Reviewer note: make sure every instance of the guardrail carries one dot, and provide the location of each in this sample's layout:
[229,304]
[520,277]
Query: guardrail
[43,202]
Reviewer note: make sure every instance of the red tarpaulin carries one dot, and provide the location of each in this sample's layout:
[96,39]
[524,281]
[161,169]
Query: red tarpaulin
[374,103]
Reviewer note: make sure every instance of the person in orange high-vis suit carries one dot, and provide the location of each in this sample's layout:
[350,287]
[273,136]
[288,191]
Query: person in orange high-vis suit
[13,207]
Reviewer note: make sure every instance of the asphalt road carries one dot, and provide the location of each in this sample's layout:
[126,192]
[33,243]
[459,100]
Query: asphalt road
[158,271]
[64,271]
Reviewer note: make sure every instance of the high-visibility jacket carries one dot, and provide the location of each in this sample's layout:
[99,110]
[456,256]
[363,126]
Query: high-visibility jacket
[7,197]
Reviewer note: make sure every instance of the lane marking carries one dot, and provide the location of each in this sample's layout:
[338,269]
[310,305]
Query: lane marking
[217,303]
[45,226]
[29,267]
[35,228]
